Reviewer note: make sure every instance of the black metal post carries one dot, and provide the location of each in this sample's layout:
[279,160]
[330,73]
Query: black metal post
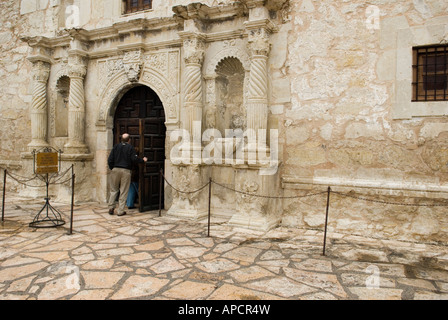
[4,193]
[160,192]
[209,204]
[326,219]
[73,200]
[47,182]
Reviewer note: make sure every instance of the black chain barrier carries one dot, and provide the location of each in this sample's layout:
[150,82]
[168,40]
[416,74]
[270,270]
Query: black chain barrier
[329,191]
[26,180]
[444,204]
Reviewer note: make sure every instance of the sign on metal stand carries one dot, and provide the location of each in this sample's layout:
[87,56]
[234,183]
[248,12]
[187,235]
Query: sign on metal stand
[47,164]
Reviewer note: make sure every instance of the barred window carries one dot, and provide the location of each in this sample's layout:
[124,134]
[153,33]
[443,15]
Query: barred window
[131,6]
[430,73]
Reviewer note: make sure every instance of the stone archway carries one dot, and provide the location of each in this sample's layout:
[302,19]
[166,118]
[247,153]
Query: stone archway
[140,113]
[113,90]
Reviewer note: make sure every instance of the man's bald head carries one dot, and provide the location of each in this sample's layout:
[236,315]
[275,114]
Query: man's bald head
[125,137]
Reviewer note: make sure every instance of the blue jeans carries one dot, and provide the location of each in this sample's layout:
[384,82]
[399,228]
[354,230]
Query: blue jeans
[133,192]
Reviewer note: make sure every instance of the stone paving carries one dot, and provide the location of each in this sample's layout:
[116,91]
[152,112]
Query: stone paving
[143,256]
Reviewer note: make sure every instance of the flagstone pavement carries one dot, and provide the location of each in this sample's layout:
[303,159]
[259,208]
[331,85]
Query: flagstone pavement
[143,256]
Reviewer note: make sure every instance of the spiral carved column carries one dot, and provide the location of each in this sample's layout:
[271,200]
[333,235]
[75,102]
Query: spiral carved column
[76,108]
[191,174]
[257,102]
[193,104]
[257,109]
[193,95]
[39,106]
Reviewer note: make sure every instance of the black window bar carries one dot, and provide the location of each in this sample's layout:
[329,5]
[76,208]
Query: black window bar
[430,73]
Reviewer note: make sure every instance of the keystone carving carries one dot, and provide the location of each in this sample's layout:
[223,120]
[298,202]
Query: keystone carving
[132,64]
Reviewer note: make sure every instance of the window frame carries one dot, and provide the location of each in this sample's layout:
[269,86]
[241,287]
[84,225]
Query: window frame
[141,6]
[398,41]
[425,66]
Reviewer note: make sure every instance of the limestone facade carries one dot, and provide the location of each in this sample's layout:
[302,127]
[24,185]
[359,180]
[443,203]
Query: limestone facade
[326,84]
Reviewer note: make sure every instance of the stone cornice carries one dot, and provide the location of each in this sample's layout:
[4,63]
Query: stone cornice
[93,40]
[199,11]
[346,184]
[263,23]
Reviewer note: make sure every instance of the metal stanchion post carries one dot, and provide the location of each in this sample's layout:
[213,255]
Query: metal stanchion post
[209,204]
[326,219]
[73,199]
[4,193]
[160,192]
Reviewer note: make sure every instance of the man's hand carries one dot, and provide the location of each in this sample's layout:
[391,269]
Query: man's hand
[145,159]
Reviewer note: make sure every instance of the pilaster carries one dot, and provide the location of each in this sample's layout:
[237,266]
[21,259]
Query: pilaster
[39,106]
[77,65]
[259,29]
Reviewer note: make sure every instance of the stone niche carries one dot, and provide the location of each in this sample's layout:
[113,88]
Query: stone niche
[229,109]
[60,107]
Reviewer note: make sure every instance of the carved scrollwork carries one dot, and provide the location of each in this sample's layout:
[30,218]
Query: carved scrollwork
[157,70]
[194,50]
[250,203]
[41,71]
[77,66]
[132,64]
[259,42]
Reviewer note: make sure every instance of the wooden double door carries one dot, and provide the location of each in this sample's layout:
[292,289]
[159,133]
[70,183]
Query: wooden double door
[140,113]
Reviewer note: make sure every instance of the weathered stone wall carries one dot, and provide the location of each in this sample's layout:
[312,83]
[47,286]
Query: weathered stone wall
[346,125]
[15,94]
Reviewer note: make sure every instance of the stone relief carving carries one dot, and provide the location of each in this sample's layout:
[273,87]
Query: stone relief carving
[132,64]
[259,42]
[229,51]
[188,179]
[77,67]
[194,49]
[158,70]
[249,203]
[162,89]
[210,118]
[158,61]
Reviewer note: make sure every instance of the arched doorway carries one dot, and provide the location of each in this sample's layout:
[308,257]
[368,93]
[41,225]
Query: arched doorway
[140,113]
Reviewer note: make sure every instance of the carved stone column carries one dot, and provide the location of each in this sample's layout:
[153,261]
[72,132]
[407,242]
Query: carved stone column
[39,106]
[191,176]
[257,101]
[193,101]
[76,106]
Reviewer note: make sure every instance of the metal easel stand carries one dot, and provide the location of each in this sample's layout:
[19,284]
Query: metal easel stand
[48,216]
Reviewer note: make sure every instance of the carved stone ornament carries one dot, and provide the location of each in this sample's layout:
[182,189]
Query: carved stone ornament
[194,50]
[259,42]
[41,71]
[132,64]
[188,179]
[77,66]
[248,203]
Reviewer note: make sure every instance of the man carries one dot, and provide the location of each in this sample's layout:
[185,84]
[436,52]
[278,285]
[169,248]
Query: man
[120,161]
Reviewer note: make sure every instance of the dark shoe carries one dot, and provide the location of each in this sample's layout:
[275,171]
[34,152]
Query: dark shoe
[122,214]
[130,208]
[111,212]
